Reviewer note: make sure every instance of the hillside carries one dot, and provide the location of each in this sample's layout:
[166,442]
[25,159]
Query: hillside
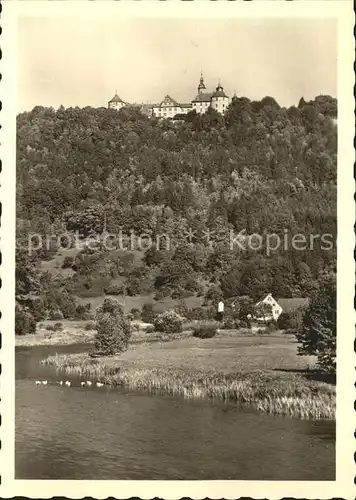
[192,185]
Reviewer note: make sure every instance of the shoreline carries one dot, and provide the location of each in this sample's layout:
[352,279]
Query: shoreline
[267,390]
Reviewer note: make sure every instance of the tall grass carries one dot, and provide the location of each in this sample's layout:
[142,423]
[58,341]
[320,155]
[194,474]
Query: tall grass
[266,391]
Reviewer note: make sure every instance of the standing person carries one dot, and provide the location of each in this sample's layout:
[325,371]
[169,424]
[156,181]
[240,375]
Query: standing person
[220,314]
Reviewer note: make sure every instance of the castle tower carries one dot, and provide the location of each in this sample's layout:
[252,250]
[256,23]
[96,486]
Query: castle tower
[219,100]
[116,102]
[201,86]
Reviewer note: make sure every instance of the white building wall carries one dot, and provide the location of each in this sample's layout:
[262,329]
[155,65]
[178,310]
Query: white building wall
[169,111]
[201,107]
[220,104]
[116,105]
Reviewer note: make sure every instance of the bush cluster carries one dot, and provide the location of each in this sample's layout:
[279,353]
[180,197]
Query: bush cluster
[205,330]
[168,322]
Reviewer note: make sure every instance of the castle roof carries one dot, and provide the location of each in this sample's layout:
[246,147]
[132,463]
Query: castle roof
[203,97]
[201,85]
[116,98]
[168,101]
[219,92]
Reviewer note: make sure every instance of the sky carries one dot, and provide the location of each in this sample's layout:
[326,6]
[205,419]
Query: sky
[69,62]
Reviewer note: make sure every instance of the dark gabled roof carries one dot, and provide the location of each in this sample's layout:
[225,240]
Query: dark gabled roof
[203,97]
[116,98]
[290,305]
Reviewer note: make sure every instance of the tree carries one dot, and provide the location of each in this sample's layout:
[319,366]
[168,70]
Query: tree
[244,307]
[148,314]
[263,311]
[24,321]
[113,329]
[291,321]
[318,334]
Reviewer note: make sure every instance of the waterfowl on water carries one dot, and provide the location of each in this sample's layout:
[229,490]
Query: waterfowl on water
[44,382]
[88,383]
[99,384]
[60,382]
[82,384]
[68,383]
[38,382]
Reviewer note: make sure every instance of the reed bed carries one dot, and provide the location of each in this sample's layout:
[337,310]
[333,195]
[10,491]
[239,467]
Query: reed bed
[277,394]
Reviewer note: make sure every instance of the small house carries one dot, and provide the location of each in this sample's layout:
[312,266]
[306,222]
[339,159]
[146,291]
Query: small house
[281,305]
[275,309]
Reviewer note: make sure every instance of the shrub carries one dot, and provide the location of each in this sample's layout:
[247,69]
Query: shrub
[59,303]
[135,313]
[182,309]
[168,322]
[50,328]
[292,321]
[82,312]
[24,321]
[113,329]
[57,327]
[148,313]
[150,329]
[67,262]
[37,308]
[55,315]
[260,331]
[112,289]
[89,326]
[214,294]
[229,324]
[271,327]
[133,286]
[205,330]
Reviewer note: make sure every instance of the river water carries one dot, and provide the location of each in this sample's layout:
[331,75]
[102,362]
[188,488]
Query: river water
[102,433]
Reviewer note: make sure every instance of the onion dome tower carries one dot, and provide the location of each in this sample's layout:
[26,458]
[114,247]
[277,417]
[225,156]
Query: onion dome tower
[201,86]
[219,100]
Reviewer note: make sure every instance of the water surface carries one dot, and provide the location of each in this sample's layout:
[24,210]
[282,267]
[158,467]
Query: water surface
[102,433]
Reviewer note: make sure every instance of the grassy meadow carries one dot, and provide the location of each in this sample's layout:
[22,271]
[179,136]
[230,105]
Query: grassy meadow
[264,371]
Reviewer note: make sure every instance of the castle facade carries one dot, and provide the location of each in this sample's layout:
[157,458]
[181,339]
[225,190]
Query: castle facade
[169,107]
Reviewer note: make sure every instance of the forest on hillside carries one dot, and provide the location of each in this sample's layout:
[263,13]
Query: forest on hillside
[262,169]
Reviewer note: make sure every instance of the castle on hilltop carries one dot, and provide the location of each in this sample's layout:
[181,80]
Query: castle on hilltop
[169,107]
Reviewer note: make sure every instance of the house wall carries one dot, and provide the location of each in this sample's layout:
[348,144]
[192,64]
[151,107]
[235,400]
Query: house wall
[168,110]
[276,308]
[116,105]
[201,107]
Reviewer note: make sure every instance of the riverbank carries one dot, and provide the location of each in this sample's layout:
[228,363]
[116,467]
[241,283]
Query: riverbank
[264,371]
[73,332]
[77,332]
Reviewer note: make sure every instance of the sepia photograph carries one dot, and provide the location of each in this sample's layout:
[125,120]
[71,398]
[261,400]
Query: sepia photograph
[176,314]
